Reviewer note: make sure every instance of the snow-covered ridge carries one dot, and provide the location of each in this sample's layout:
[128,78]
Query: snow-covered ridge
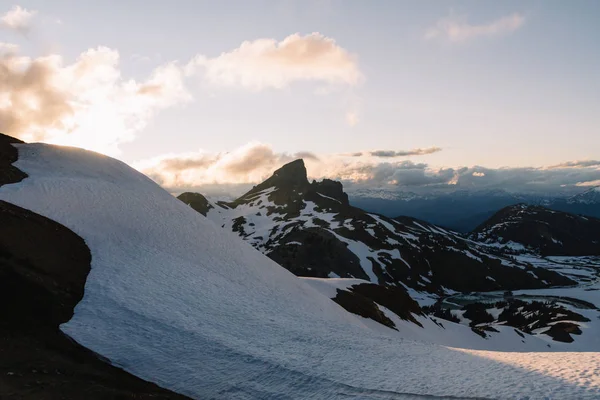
[177,300]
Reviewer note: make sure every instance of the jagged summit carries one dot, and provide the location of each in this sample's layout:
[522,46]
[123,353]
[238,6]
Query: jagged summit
[289,185]
[292,176]
[293,171]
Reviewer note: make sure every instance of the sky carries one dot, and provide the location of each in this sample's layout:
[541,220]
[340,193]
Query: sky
[384,93]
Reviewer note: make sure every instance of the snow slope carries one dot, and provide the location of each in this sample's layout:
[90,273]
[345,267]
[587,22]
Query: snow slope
[178,301]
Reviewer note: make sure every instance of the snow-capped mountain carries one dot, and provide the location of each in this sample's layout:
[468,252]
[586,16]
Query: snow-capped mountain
[182,303]
[311,229]
[464,210]
[590,196]
[541,230]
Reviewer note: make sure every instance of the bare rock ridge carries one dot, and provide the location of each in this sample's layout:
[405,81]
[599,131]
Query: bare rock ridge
[291,176]
[312,230]
[8,155]
[43,270]
[291,181]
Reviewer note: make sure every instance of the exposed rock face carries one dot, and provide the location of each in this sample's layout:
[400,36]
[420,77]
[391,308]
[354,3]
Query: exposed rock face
[196,201]
[331,189]
[290,177]
[312,230]
[8,155]
[544,231]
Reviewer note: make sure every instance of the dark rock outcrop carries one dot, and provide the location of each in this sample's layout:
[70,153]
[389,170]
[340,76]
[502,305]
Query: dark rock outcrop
[8,155]
[365,299]
[196,201]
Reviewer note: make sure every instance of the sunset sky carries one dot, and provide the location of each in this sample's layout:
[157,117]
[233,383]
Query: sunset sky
[394,93]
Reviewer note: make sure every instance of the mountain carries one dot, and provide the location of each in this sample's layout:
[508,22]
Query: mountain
[590,196]
[312,230]
[465,210]
[173,299]
[541,230]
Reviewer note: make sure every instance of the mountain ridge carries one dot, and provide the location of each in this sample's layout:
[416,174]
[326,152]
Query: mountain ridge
[277,217]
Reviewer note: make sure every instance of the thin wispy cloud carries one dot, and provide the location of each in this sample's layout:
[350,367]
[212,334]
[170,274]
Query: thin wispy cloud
[595,183]
[404,153]
[578,164]
[267,63]
[17,19]
[458,29]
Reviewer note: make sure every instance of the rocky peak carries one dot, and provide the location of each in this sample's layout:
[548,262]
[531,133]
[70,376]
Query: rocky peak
[293,173]
[331,189]
[291,177]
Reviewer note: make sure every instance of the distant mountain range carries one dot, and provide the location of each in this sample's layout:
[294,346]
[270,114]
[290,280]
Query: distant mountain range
[464,210]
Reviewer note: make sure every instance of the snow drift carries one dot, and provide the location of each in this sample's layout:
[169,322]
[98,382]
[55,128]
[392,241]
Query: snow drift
[178,301]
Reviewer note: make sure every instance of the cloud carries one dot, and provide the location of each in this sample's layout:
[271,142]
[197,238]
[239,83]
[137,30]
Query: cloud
[404,153]
[578,164]
[87,103]
[267,63]
[254,162]
[589,183]
[456,29]
[247,164]
[17,19]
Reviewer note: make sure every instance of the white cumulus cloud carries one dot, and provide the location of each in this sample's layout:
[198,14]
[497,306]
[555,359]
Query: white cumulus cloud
[267,63]
[87,103]
[17,19]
